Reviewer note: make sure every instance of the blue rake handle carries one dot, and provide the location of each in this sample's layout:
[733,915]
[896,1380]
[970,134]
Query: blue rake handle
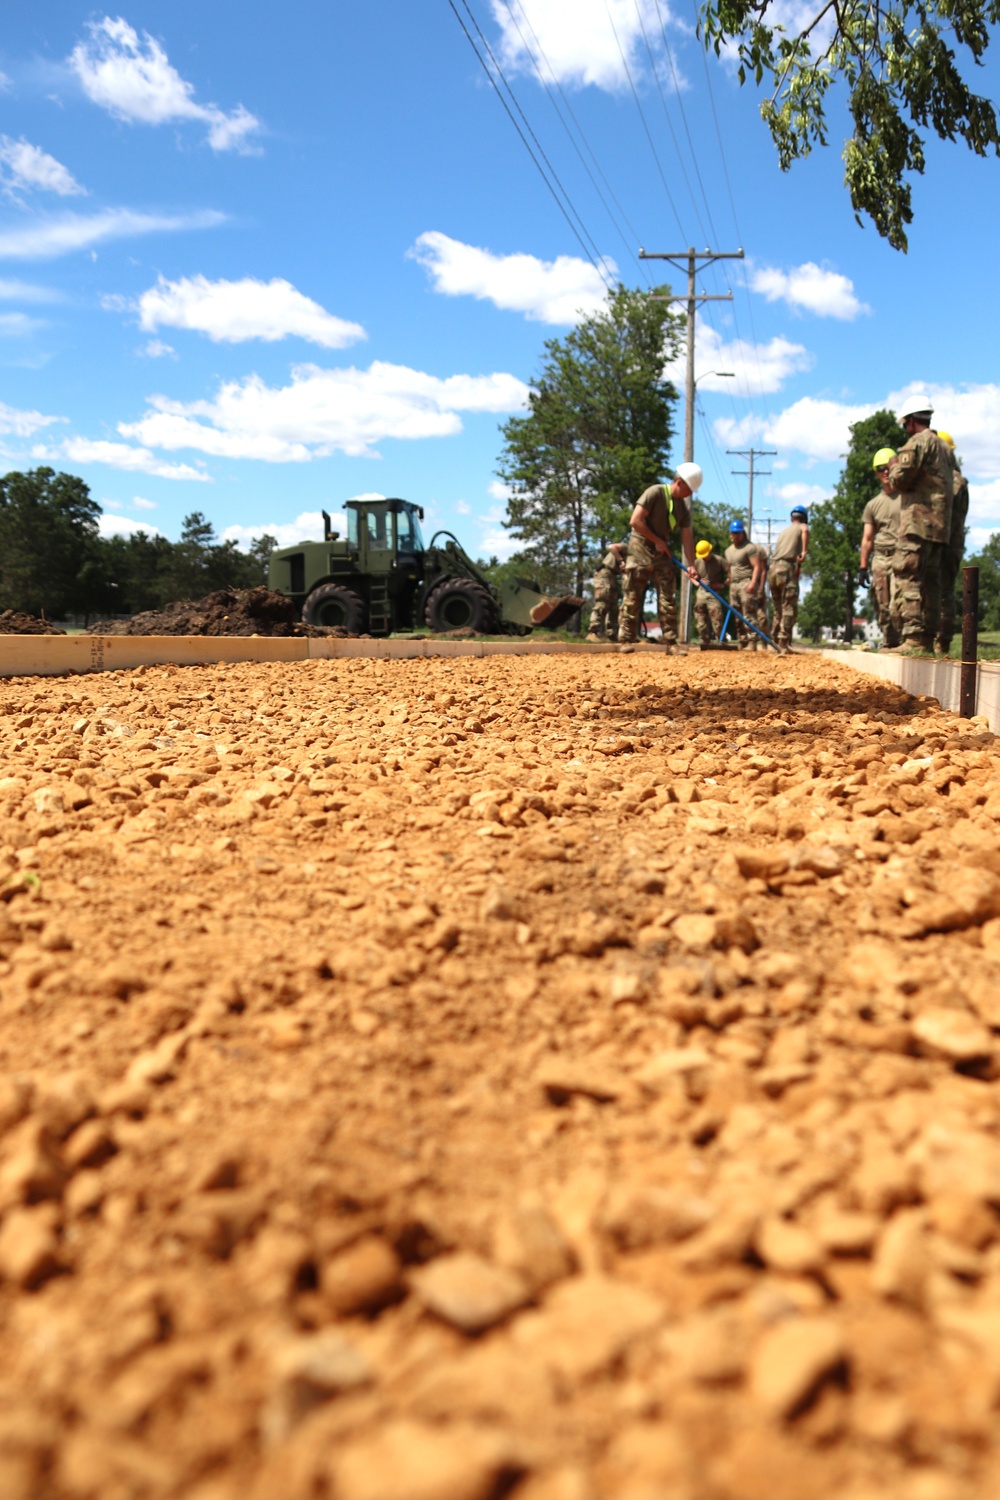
[729,608]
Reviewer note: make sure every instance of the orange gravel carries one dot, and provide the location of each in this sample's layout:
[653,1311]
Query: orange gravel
[568,1078]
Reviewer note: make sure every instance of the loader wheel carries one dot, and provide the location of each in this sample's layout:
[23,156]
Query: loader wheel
[460,604]
[332,604]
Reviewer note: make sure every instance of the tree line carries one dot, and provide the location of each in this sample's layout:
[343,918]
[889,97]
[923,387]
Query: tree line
[54,561]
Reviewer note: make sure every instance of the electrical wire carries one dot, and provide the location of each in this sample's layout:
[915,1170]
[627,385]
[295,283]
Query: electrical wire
[628,244]
[642,117]
[670,126]
[593,255]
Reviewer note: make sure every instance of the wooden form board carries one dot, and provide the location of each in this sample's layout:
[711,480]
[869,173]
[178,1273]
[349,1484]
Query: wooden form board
[929,677]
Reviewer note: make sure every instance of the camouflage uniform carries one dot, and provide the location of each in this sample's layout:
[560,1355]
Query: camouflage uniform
[951,559]
[708,612]
[607,594]
[783,578]
[740,562]
[644,565]
[882,515]
[921,475]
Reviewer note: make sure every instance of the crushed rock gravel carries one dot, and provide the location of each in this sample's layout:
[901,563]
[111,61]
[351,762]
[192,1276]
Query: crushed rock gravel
[570,1079]
[258,611]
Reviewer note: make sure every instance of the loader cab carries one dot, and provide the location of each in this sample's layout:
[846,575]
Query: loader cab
[384,534]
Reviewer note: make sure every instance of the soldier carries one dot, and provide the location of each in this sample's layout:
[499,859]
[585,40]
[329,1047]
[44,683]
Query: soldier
[880,519]
[786,564]
[921,475]
[607,593]
[708,612]
[952,558]
[658,511]
[747,566]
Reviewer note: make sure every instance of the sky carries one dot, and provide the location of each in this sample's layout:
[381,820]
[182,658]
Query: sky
[255,260]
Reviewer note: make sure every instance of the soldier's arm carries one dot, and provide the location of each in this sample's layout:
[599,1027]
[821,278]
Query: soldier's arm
[640,525]
[904,471]
[805,545]
[687,542]
[867,543]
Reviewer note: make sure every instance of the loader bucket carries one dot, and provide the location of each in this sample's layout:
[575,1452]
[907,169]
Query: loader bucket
[551,613]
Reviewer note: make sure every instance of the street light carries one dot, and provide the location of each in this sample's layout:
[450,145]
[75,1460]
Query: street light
[719,374]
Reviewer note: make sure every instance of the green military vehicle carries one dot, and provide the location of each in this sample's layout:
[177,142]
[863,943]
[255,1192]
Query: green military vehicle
[381,578]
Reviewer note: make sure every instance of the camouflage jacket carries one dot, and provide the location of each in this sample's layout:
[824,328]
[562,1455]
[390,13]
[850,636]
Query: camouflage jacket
[611,564]
[960,500]
[921,475]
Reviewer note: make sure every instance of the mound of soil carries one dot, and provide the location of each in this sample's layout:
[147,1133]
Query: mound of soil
[258,611]
[14,622]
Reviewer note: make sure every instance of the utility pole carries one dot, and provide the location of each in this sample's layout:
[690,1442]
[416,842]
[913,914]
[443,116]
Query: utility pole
[691,261]
[751,454]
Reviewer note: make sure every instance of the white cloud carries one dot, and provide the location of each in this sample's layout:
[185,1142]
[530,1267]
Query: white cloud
[546,291]
[24,167]
[307,527]
[577,39]
[133,79]
[15,423]
[462,508]
[498,490]
[16,325]
[323,411]
[25,291]
[141,504]
[818,428]
[758,368]
[801,494]
[44,238]
[233,311]
[123,456]
[813,288]
[111,525]
[972,415]
[157,349]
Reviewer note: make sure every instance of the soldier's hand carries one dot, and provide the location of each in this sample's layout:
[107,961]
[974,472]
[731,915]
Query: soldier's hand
[864,578]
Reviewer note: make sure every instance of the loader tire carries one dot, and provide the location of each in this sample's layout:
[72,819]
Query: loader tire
[332,604]
[460,604]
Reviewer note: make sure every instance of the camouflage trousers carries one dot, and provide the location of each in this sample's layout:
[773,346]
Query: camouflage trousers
[886,598]
[917,565]
[638,576]
[783,579]
[751,605]
[604,615]
[950,564]
[709,615]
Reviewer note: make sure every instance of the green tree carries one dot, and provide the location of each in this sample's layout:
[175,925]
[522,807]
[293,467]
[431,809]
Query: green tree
[898,65]
[987,560]
[48,542]
[260,555]
[596,434]
[835,526]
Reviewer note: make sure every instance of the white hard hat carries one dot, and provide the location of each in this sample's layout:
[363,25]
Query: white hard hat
[916,406]
[691,475]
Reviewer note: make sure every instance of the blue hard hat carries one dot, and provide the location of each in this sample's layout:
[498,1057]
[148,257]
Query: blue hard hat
[800,510]
[736,526]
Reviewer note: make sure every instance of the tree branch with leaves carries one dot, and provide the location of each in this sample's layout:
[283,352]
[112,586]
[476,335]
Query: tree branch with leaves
[899,65]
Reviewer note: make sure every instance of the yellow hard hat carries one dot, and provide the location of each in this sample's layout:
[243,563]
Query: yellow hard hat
[946,437]
[703,549]
[883,456]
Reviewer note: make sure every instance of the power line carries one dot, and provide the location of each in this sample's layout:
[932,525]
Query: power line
[594,258]
[683,112]
[670,123]
[642,117]
[629,244]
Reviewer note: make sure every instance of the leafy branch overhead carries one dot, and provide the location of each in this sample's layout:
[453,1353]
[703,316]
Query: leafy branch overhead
[899,65]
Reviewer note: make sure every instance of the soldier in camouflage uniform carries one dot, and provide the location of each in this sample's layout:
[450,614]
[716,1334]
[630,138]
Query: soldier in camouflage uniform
[746,563]
[879,537]
[951,560]
[922,476]
[658,511]
[708,612]
[783,575]
[607,594]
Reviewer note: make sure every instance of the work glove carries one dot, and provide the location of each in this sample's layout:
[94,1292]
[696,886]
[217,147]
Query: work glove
[865,578]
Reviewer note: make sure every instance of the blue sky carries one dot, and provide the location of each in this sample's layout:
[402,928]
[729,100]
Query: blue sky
[256,259]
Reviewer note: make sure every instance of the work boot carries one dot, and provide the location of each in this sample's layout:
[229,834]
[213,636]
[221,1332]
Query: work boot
[942,648]
[912,647]
[592,636]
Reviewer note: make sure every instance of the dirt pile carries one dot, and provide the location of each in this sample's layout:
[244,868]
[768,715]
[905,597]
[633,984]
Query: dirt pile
[258,611]
[560,1078]
[15,622]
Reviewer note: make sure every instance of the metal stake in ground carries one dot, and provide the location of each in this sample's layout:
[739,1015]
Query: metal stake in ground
[970,643]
